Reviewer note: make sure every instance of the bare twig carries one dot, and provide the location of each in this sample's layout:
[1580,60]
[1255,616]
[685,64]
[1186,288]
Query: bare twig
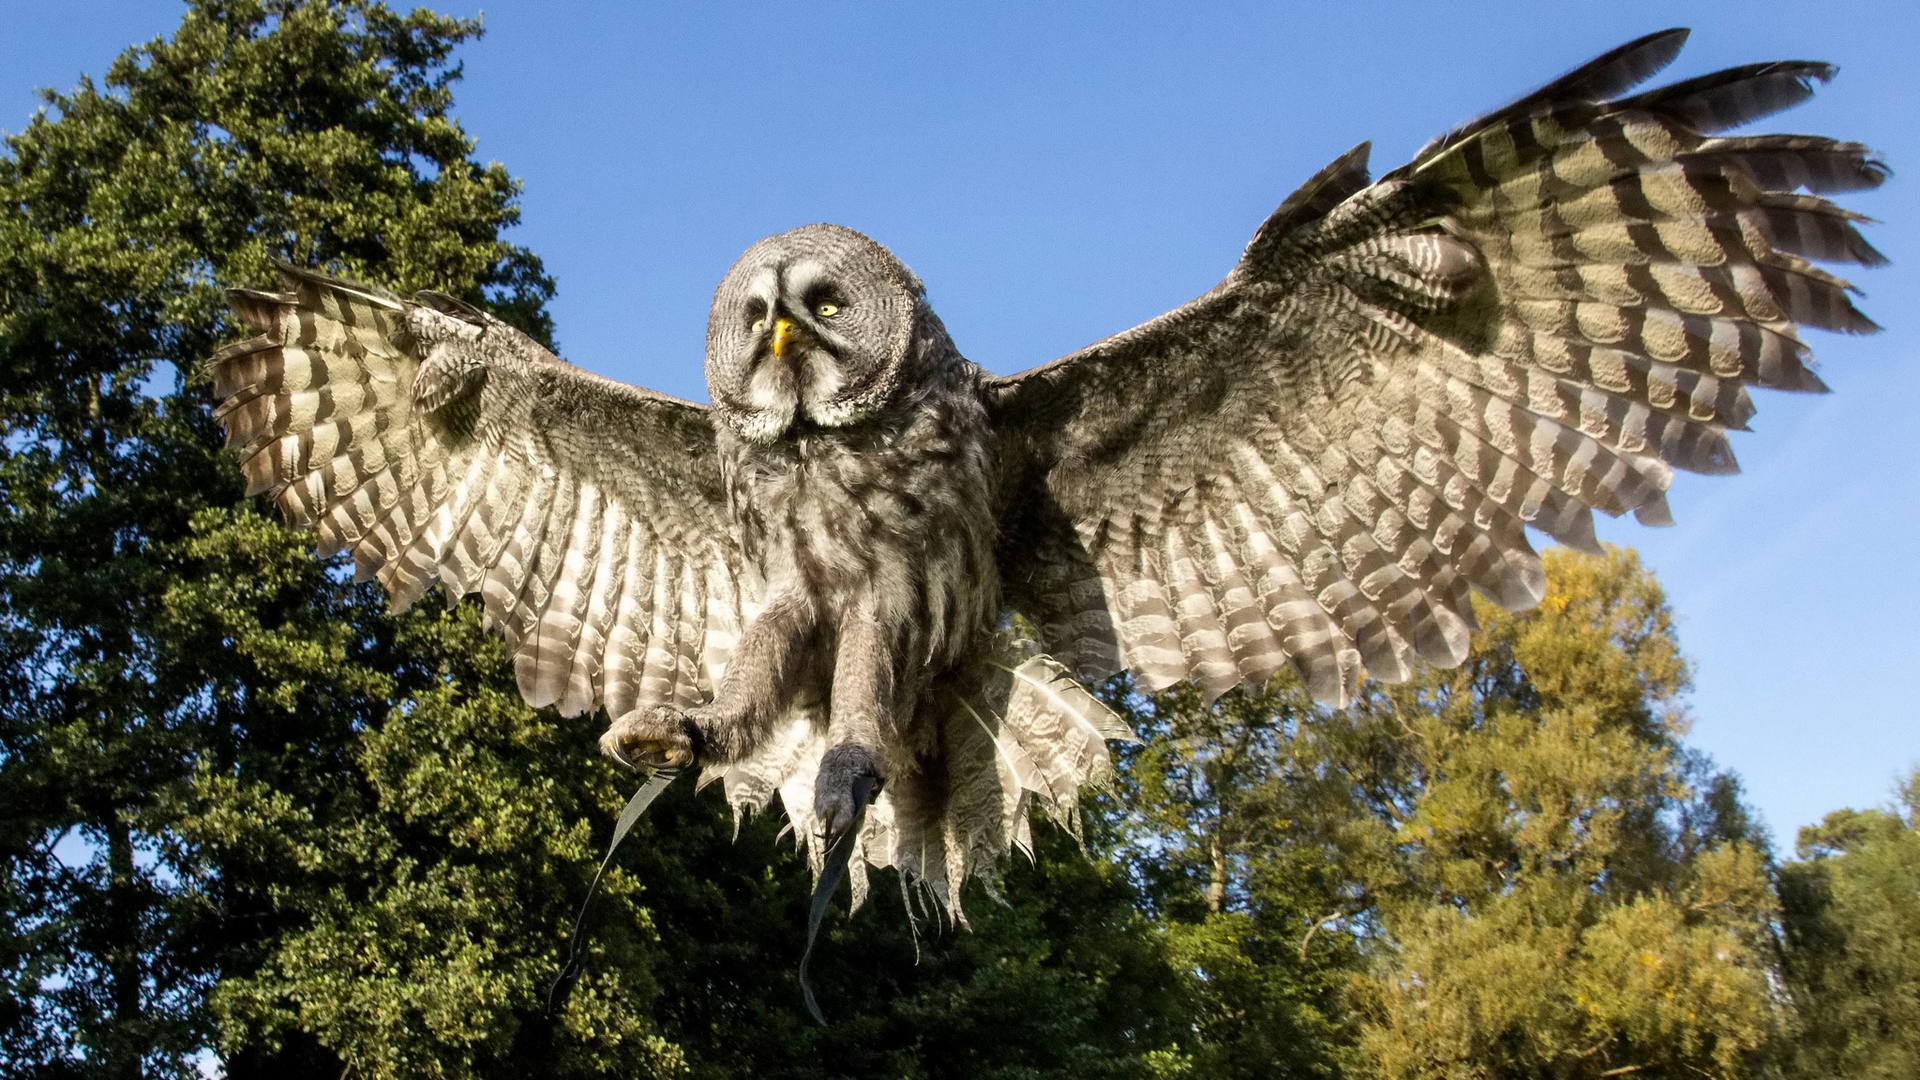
[1329,917]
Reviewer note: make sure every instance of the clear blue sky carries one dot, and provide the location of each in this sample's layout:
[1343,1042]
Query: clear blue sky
[1058,172]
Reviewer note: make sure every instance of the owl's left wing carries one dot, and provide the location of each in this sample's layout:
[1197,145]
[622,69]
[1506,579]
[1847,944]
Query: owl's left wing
[1316,462]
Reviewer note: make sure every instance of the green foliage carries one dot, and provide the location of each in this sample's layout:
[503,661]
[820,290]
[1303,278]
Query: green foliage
[1235,841]
[1510,869]
[1566,896]
[185,787]
[1852,919]
[409,838]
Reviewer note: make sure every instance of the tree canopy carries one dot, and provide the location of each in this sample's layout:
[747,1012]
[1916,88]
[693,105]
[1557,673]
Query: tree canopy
[186,689]
[1509,869]
[1852,921]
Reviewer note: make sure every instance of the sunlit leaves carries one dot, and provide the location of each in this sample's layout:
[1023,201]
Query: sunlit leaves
[1852,924]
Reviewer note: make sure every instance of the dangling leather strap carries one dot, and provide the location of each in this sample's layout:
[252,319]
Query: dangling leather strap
[570,971]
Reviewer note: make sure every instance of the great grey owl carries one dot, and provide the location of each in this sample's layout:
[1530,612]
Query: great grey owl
[808,587]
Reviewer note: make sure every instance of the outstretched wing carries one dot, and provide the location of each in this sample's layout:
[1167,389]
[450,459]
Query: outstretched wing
[435,441]
[1318,460]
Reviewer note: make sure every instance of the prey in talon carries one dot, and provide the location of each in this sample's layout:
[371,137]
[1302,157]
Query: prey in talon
[849,778]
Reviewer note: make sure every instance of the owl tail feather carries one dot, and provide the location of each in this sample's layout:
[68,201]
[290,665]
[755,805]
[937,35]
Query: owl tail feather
[1028,735]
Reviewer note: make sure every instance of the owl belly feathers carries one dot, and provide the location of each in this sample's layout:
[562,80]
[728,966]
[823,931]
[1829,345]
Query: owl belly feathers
[889,520]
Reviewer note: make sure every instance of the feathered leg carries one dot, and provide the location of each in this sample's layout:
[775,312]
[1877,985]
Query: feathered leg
[860,719]
[770,659]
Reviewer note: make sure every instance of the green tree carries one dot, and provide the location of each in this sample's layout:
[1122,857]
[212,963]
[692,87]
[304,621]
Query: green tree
[1563,892]
[1852,919]
[1223,824]
[410,846]
[1509,869]
[344,821]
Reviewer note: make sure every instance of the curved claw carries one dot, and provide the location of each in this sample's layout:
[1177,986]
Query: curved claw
[662,737]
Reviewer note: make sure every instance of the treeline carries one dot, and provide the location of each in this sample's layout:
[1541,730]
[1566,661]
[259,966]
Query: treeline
[250,815]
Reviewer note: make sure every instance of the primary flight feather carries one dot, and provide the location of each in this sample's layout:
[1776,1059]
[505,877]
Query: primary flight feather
[806,586]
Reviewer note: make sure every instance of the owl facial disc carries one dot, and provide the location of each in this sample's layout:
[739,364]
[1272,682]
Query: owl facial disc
[809,328]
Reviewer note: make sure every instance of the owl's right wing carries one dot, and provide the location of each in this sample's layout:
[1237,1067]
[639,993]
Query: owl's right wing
[436,441]
[1543,313]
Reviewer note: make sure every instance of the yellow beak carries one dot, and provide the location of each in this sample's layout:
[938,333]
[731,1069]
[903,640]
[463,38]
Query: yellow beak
[782,335]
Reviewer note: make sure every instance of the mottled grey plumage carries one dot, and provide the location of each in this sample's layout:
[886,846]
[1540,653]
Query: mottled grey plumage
[1313,465]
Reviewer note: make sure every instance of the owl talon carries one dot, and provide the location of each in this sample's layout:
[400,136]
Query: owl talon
[848,780]
[661,737]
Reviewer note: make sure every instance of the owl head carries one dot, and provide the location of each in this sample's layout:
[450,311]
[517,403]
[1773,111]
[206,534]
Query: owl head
[814,326]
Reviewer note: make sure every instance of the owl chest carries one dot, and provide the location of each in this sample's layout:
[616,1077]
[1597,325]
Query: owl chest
[836,514]
[898,521]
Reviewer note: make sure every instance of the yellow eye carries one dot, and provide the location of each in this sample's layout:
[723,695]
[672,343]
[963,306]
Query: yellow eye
[758,325]
[827,311]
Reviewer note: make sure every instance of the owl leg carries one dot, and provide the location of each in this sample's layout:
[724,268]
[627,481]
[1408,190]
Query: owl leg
[660,736]
[859,716]
[752,694]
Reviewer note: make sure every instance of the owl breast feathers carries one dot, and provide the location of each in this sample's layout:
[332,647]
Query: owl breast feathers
[808,586]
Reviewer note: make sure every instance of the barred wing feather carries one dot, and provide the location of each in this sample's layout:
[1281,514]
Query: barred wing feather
[1317,462]
[436,442]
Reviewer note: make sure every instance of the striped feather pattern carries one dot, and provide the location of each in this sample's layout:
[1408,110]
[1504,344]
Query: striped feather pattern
[1543,314]
[437,443]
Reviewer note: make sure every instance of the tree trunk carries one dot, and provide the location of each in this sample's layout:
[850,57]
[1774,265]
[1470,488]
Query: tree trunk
[1217,870]
[123,952]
